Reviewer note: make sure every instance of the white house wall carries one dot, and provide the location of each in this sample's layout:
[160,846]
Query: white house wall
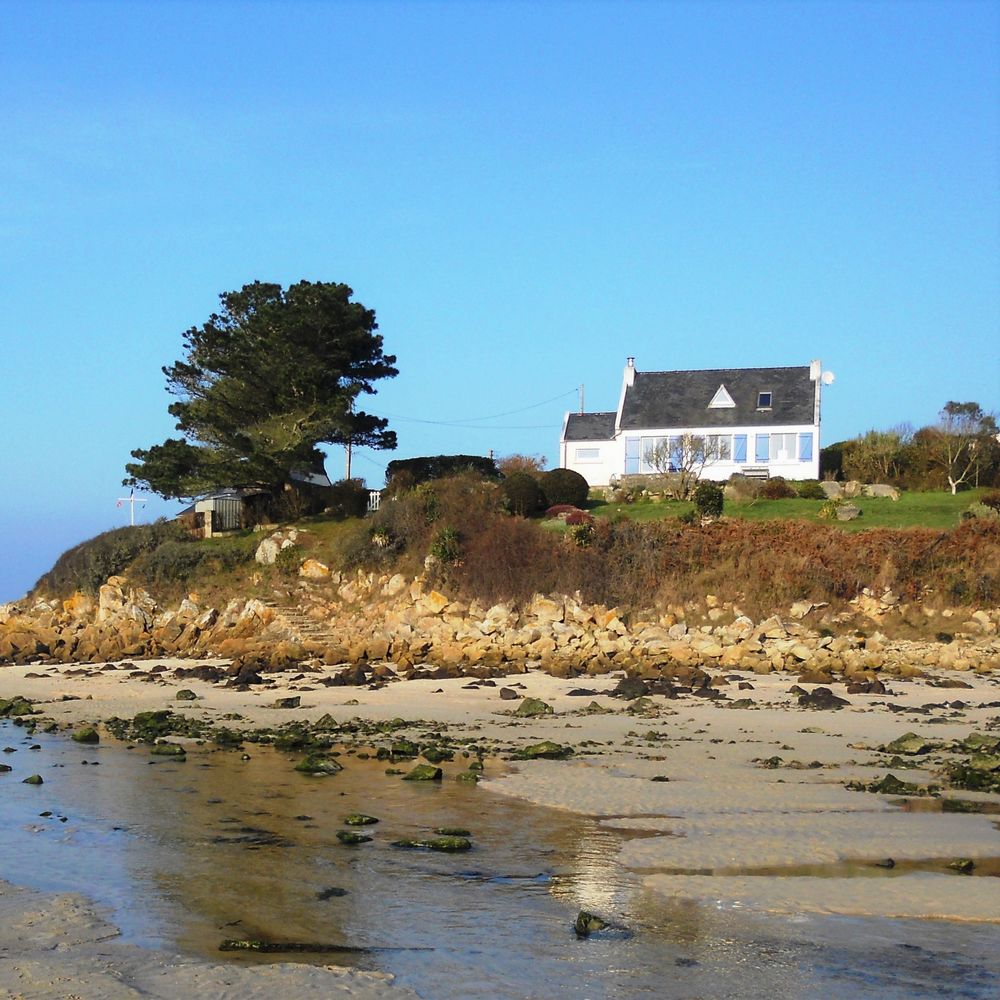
[597,471]
[610,460]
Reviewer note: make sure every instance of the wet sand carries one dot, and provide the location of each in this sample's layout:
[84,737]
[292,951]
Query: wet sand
[711,819]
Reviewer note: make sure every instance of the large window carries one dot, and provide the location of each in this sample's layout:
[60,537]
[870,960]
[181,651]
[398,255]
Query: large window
[719,447]
[588,454]
[654,454]
[782,448]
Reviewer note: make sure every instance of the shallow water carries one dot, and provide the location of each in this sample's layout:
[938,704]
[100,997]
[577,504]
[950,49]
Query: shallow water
[187,854]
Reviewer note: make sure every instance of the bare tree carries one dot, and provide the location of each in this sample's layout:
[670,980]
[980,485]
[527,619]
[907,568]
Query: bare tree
[684,457]
[961,442]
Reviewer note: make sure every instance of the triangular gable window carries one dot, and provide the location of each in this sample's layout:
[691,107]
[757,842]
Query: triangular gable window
[721,399]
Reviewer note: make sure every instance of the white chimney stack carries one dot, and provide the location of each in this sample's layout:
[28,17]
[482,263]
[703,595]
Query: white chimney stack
[629,371]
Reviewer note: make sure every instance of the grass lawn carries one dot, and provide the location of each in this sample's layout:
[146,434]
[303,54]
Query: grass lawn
[912,510]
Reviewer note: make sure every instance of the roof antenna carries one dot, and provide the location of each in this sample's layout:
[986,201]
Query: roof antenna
[581,399]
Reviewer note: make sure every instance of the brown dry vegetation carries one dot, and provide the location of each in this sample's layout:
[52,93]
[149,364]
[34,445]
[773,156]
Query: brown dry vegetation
[761,565]
[487,555]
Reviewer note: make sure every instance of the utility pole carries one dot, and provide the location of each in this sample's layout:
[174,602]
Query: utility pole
[348,458]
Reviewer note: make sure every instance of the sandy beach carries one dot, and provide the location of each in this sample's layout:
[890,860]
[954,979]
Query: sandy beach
[736,807]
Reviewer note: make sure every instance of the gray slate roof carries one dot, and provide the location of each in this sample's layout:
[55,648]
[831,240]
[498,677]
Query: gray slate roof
[680,399]
[590,427]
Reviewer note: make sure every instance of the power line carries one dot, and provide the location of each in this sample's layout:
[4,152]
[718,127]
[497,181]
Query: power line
[467,421]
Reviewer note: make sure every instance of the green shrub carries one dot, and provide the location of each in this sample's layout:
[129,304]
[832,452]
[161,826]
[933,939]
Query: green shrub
[413,471]
[288,560]
[777,488]
[347,498]
[708,499]
[810,489]
[522,494]
[565,486]
[171,562]
[829,509]
[982,512]
[446,547]
[86,566]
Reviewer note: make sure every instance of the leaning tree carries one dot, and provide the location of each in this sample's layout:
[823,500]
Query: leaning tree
[275,373]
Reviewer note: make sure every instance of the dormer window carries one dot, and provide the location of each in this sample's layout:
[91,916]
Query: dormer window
[721,399]
[763,400]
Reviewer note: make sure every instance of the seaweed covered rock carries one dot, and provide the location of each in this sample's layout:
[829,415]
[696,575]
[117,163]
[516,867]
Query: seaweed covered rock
[533,707]
[424,772]
[350,837]
[586,923]
[319,764]
[447,845]
[546,750]
[911,744]
[16,707]
[360,819]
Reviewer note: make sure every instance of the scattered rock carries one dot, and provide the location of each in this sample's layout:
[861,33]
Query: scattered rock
[587,923]
[448,845]
[532,707]
[334,892]
[822,699]
[319,764]
[350,837]
[911,744]
[424,772]
[546,750]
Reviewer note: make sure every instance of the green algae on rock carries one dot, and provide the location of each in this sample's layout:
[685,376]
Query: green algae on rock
[350,837]
[319,764]
[447,845]
[586,923]
[87,735]
[360,819]
[15,708]
[546,750]
[911,744]
[424,772]
[533,707]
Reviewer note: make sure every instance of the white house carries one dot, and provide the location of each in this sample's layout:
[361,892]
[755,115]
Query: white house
[754,421]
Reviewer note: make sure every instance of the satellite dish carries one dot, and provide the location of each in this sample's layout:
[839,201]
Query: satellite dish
[828,378]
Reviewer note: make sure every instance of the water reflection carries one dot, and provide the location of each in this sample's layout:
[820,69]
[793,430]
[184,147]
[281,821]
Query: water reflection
[188,854]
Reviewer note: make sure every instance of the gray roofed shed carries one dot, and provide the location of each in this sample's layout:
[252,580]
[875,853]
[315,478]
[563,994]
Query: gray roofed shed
[680,399]
[590,427]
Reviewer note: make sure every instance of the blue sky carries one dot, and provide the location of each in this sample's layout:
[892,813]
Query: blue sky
[525,194]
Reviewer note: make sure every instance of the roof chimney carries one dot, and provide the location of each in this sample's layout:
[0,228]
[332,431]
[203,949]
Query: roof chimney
[630,371]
